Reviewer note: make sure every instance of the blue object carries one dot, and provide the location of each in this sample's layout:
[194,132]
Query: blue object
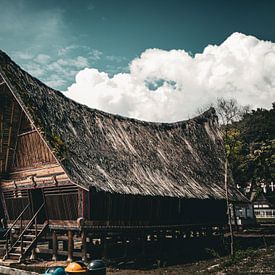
[56,270]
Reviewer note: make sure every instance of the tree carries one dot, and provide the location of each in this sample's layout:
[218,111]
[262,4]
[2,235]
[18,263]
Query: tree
[254,161]
[229,111]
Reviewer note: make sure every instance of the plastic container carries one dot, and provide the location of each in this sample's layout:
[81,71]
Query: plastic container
[96,267]
[55,270]
[76,268]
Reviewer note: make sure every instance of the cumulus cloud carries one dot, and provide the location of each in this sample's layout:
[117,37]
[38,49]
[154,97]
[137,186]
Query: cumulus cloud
[171,85]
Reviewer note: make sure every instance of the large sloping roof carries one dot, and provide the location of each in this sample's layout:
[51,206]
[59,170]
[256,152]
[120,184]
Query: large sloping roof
[122,155]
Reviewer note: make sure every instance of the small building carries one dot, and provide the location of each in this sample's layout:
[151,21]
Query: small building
[69,171]
[264,206]
[244,214]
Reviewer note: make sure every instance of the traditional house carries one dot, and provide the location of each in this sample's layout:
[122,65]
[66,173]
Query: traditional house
[67,168]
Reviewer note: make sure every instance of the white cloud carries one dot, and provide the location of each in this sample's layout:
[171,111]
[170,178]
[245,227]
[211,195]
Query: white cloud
[57,73]
[23,55]
[42,59]
[74,49]
[95,54]
[55,81]
[71,49]
[172,85]
[35,69]
[78,62]
[66,50]
[114,58]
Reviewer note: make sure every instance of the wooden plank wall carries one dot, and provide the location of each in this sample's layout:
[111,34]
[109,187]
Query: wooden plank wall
[16,201]
[65,201]
[112,209]
[10,116]
[31,151]
[61,201]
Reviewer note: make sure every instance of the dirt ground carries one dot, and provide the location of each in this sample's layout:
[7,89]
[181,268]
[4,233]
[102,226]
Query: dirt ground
[261,261]
[249,261]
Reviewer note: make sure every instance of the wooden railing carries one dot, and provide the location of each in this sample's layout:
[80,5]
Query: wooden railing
[7,234]
[265,213]
[14,223]
[33,221]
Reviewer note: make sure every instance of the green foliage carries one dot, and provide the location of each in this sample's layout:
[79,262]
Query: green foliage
[59,146]
[250,147]
[238,256]
[58,141]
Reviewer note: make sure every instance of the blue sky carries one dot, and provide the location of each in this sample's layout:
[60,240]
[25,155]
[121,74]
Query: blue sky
[55,40]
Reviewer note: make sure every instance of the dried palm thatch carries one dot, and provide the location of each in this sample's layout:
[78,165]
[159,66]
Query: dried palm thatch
[122,155]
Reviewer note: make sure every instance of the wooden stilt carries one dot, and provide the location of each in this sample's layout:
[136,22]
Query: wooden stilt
[65,245]
[50,244]
[70,246]
[105,248]
[54,246]
[33,255]
[143,245]
[161,244]
[84,246]
[125,240]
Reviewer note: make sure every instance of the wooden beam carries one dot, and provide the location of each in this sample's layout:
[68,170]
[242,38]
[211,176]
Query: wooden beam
[9,138]
[1,142]
[16,142]
[26,133]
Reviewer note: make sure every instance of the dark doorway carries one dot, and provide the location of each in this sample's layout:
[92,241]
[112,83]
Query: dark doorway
[36,200]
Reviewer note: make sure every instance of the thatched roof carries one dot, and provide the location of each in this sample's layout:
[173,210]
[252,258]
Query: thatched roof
[122,155]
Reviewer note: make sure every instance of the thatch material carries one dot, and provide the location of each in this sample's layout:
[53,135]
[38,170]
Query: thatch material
[122,155]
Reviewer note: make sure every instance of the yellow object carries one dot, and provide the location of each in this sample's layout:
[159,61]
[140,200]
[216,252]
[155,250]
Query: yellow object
[76,267]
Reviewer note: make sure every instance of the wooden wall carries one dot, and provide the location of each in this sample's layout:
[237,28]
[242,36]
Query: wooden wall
[31,151]
[61,202]
[16,201]
[129,209]
[10,116]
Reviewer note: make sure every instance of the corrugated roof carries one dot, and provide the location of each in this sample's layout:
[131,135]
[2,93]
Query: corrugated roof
[123,155]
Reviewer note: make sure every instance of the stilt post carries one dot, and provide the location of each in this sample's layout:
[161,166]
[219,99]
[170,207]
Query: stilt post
[54,246]
[70,246]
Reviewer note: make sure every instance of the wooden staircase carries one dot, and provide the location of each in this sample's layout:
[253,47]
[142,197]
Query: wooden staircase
[19,246]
